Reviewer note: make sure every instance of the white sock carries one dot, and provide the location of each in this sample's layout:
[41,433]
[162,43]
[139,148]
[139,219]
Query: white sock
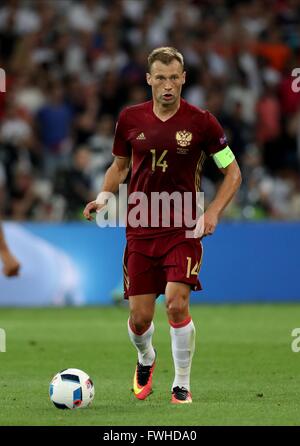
[183,347]
[143,344]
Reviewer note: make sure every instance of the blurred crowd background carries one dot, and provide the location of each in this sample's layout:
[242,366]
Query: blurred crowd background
[71,66]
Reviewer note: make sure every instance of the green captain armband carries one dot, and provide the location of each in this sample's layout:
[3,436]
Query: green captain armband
[224,157]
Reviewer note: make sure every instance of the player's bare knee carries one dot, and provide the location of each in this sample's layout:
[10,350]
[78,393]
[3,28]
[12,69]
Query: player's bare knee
[140,322]
[176,307]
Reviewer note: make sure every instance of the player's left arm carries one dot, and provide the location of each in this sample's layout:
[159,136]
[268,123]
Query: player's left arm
[229,186]
[227,164]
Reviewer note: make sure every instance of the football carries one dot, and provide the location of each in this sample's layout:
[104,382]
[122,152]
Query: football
[71,389]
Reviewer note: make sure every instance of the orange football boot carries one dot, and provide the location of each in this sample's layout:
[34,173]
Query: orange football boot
[142,380]
[180,395]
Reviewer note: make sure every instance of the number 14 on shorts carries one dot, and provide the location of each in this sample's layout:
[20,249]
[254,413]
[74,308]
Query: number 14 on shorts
[192,271]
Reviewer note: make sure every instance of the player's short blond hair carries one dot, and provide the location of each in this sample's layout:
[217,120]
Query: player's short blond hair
[165,54]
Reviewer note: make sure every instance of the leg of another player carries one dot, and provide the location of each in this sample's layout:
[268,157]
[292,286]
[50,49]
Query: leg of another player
[141,327]
[182,332]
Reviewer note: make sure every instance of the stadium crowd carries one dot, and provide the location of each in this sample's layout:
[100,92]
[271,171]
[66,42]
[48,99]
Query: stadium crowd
[71,66]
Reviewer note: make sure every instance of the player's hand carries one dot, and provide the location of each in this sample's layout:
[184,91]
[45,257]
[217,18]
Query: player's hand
[91,208]
[206,224]
[11,266]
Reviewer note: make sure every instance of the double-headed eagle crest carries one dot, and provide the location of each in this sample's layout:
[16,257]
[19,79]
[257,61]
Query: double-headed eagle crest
[183,138]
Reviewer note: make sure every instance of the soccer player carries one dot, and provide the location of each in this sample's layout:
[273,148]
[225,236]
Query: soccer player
[165,141]
[11,266]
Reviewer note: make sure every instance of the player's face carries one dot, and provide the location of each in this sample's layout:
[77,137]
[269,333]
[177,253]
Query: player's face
[166,82]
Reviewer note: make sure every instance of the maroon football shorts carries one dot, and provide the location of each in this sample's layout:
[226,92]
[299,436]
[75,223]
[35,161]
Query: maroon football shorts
[149,264]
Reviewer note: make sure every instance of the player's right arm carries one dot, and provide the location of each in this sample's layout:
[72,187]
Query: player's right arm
[115,175]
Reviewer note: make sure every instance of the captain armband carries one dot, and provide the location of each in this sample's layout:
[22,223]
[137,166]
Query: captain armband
[224,157]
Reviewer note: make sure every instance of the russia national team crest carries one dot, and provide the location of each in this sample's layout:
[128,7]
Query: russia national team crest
[184,138]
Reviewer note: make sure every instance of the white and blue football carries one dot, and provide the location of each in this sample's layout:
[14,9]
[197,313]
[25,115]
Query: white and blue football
[71,389]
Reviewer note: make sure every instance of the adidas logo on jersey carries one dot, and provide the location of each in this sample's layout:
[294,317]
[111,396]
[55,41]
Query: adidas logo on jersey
[141,136]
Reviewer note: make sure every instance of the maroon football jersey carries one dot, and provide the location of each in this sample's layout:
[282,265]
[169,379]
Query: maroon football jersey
[167,156]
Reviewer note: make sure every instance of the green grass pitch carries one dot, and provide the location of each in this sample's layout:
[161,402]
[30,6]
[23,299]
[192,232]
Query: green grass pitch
[244,371]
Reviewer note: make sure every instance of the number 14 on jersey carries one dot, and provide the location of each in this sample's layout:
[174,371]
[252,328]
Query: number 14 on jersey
[160,162]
